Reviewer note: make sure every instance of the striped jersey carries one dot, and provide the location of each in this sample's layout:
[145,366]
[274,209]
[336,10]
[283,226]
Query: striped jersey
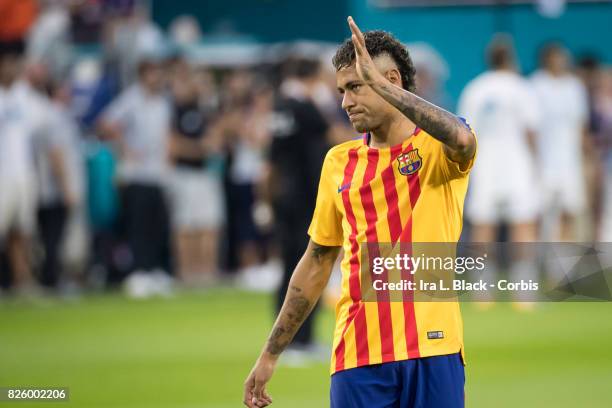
[406,193]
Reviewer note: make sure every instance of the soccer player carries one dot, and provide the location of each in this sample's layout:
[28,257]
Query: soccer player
[502,106]
[23,117]
[504,183]
[384,353]
[562,136]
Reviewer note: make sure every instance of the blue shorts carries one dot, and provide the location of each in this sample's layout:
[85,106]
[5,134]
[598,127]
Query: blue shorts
[429,382]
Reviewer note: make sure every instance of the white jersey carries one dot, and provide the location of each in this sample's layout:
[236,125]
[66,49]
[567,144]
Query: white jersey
[501,108]
[564,108]
[23,115]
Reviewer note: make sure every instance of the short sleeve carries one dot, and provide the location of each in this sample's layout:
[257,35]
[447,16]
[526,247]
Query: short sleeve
[454,169]
[326,225]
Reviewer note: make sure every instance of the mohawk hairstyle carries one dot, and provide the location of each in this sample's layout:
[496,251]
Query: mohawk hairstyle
[379,43]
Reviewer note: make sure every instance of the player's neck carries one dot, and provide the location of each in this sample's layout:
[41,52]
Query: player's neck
[392,133]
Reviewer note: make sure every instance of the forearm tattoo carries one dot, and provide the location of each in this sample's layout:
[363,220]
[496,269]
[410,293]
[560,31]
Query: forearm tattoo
[440,124]
[297,306]
[321,253]
[293,314]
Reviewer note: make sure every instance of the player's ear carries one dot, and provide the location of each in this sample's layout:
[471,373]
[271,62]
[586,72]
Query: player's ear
[394,77]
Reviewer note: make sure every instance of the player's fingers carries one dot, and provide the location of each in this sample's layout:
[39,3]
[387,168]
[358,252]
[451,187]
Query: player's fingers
[356,44]
[266,397]
[260,395]
[263,403]
[248,392]
[258,389]
[356,31]
[248,399]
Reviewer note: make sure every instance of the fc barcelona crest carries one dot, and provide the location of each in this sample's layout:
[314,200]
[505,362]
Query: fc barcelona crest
[409,162]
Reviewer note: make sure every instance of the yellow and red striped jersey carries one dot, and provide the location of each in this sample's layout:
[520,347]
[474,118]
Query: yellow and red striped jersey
[407,193]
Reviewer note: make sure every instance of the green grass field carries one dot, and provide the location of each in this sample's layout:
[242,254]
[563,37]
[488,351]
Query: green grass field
[195,349]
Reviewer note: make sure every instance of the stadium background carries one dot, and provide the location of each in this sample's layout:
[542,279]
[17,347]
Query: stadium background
[193,345]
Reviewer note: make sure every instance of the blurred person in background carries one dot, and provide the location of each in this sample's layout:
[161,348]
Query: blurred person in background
[431,74]
[197,192]
[208,94]
[296,153]
[16,19]
[329,102]
[504,112]
[50,38]
[138,121]
[602,109]
[562,141]
[60,171]
[130,36]
[593,76]
[23,116]
[245,107]
[503,186]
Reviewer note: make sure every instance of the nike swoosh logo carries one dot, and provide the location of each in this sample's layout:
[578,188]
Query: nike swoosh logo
[343,187]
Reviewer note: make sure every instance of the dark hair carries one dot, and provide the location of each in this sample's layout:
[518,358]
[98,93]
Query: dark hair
[145,65]
[379,43]
[549,49]
[500,52]
[589,62]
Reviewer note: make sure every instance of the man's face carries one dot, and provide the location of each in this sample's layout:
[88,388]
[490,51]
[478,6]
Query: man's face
[10,68]
[365,108]
[557,60]
[154,78]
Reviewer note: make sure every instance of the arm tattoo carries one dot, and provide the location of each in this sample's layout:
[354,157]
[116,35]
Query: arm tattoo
[297,304]
[321,253]
[294,312]
[440,124]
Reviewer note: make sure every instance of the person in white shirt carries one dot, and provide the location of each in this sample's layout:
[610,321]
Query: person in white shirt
[61,185]
[139,122]
[22,117]
[505,114]
[503,185]
[561,139]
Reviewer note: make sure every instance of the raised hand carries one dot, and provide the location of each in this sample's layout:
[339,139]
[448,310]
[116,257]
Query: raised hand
[364,64]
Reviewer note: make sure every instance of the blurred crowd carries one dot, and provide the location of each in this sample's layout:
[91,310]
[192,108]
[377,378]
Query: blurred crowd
[144,167]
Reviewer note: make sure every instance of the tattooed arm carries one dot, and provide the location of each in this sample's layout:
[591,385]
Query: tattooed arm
[459,142]
[307,283]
